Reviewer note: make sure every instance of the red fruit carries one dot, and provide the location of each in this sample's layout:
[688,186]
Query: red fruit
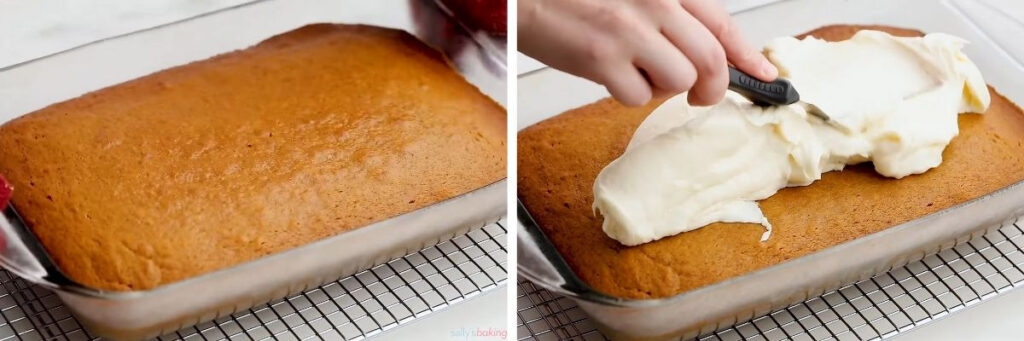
[5,192]
[488,15]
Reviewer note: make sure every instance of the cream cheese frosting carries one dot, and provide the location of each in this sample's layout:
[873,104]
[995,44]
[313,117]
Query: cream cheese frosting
[893,101]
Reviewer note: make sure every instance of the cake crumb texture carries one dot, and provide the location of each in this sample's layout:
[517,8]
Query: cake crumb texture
[199,167]
[559,159]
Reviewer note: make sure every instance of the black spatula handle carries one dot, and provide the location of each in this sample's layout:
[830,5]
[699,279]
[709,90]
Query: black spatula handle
[778,92]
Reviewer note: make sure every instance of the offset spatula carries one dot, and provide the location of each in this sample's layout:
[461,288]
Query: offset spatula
[777,92]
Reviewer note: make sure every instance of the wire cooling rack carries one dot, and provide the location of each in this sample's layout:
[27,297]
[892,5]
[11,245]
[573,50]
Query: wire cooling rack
[876,308]
[353,307]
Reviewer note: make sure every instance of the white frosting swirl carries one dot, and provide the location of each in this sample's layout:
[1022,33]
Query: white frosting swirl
[894,101]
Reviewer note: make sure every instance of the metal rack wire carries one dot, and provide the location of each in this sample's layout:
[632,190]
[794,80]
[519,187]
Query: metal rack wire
[879,307]
[353,307]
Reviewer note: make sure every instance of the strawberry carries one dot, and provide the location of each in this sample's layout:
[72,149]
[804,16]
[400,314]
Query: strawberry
[5,192]
[488,15]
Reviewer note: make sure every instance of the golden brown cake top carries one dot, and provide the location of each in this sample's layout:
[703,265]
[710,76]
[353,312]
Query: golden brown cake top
[206,165]
[559,159]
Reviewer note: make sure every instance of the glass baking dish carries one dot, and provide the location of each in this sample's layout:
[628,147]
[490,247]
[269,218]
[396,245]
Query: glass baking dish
[31,85]
[542,94]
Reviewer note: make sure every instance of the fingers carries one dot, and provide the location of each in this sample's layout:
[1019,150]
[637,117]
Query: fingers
[741,54]
[641,48]
[590,41]
[627,85]
[705,53]
[670,72]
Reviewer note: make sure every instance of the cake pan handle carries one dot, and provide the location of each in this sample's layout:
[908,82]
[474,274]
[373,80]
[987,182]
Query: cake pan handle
[539,261]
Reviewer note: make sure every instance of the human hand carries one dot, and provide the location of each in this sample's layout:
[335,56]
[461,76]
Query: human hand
[639,49]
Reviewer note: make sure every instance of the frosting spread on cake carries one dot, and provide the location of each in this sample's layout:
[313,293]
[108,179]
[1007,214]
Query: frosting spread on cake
[893,101]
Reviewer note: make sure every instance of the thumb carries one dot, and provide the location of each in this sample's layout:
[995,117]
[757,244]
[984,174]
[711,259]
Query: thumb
[749,60]
[737,51]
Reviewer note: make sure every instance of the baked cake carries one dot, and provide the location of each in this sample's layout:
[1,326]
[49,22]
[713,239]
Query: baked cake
[199,167]
[560,158]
